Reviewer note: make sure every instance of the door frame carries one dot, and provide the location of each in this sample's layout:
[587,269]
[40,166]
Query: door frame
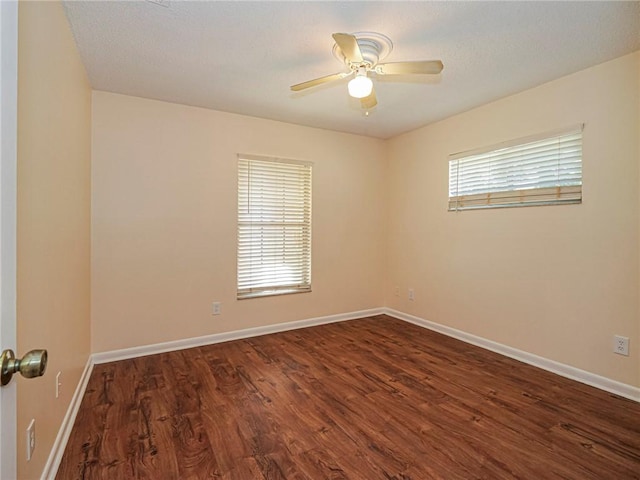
[8,229]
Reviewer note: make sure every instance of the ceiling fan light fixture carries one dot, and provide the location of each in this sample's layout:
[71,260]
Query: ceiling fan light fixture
[360,86]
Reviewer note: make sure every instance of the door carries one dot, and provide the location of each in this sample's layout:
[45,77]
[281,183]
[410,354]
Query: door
[8,188]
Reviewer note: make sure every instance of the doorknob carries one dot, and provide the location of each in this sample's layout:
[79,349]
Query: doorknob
[33,364]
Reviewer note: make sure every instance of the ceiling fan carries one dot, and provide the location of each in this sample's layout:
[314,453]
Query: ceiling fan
[361,53]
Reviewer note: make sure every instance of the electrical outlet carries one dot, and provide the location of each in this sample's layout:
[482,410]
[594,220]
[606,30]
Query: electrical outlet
[411,294]
[396,291]
[58,384]
[31,438]
[216,308]
[621,345]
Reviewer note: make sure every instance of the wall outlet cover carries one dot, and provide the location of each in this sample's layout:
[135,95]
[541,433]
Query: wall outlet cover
[621,345]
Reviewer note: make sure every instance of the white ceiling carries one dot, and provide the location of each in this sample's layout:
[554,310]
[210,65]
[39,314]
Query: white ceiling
[242,56]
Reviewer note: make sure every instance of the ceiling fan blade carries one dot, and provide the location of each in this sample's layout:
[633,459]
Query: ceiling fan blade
[349,46]
[370,101]
[318,81]
[408,68]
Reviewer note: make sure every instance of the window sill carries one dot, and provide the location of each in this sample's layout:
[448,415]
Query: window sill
[272,293]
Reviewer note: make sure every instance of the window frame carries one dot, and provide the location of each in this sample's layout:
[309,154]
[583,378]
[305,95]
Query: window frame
[277,225]
[567,189]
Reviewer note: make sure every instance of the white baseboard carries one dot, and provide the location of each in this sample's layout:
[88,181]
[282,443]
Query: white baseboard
[603,383]
[115,355]
[60,443]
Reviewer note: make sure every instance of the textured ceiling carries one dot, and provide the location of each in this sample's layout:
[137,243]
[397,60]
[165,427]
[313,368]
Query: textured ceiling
[242,56]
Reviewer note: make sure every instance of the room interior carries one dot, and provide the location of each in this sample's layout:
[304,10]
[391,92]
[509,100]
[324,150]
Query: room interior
[126,227]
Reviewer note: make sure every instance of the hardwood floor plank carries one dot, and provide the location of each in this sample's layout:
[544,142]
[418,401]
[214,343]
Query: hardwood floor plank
[375,398]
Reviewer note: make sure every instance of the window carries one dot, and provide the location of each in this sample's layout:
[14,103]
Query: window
[274,226]
[542,170]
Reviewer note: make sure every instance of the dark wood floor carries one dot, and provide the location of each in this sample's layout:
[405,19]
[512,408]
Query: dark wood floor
[375,398]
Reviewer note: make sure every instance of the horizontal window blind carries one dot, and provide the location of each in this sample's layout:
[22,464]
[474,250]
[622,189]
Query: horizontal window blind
[274,226]
[533,171]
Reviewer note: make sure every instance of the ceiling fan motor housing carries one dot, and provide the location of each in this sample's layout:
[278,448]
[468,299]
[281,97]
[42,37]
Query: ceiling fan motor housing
[373,46]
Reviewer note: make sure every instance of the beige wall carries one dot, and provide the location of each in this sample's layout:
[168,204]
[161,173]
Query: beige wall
[164,221]
[53,294]
[556,281]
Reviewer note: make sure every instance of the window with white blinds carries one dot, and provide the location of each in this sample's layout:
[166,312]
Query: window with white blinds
[274,226]
[542,170]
